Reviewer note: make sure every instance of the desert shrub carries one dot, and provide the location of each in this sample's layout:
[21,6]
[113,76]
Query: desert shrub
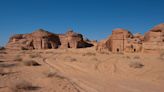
[4,65]
[89,54]
[35,55]
[24,86]
[31,63]
[128,57]
[103,52]
[49,52]
[50,74]
[54,74]
[70,59]
[136,64]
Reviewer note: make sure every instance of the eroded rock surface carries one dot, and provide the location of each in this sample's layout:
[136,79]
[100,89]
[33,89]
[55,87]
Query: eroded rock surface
[41,39]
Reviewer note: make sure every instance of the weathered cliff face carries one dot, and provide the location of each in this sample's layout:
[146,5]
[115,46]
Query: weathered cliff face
[154,40]
[41,39]
[121,41]
[73,40]
[103,45]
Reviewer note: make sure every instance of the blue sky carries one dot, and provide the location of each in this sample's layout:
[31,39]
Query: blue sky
[94,18]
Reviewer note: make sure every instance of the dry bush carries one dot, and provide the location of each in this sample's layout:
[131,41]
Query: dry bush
[31,63]
[35,55]
[70,59]
[51,74]
[49,52]
[24,86]
[7,65]
[136,64]
[103,52]
[128,57]
[89,54]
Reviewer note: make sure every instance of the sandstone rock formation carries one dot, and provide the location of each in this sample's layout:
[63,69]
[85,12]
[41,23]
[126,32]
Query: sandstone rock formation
[154,40]
[121,41]
[41,39]
[103,46]
[73,40]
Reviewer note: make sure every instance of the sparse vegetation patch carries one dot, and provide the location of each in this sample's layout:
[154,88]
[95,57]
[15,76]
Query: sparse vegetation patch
[89,54]
[31,63]
[51,74]
[70,59]
[136,64]
[24,86]
[35,55]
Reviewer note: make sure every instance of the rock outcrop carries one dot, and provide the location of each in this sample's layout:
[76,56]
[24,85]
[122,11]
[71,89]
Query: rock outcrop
[103,46]
[73,40]
[121,41]
[154,40]
[41,39]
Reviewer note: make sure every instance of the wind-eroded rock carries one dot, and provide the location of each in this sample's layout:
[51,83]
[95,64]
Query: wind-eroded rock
[42,39]
[121,41]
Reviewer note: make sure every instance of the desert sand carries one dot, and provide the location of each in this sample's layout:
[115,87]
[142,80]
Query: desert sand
[80,70]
